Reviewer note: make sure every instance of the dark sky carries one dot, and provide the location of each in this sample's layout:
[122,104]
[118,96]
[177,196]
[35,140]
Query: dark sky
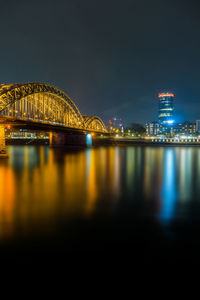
[110,57]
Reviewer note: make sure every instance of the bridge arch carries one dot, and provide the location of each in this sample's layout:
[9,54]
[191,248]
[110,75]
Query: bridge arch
[94,123]
[39,102]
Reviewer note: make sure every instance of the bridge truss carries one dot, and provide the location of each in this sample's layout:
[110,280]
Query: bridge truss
[44,103]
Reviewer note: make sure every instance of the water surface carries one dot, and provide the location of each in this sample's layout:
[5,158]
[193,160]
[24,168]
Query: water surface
[131,199]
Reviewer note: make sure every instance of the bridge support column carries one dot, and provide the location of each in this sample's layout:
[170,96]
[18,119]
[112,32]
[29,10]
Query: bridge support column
[60,139]
[2,142]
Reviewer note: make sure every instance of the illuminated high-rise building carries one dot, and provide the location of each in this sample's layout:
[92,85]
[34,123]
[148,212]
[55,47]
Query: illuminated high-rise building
[166,108]
[198,126]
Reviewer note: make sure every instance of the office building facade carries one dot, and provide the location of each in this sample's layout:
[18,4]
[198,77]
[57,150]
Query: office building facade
[198,126]
[152,128]
[185,128]
[166,108]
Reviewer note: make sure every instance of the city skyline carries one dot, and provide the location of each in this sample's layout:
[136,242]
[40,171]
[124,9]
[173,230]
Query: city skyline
[167,124]
[178,113]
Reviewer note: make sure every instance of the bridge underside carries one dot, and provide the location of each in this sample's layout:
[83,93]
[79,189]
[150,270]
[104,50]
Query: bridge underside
[60,139]
[59,136]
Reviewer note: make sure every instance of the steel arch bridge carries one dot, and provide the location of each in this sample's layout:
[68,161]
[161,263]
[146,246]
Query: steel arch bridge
[46,104]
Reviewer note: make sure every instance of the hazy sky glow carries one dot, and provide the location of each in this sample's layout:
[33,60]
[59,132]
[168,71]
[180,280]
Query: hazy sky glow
[110,57]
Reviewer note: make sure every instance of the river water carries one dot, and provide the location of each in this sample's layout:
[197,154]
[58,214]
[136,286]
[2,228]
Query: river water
[137,200]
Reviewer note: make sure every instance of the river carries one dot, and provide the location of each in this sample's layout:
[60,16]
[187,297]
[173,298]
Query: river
[140,200]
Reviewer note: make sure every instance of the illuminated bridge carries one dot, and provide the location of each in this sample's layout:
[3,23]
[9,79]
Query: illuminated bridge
[44,106]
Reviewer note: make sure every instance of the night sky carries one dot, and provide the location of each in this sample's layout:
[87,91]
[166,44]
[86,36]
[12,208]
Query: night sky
[110,57]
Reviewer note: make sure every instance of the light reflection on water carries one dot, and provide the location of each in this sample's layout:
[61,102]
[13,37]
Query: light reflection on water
[168,190]
[42,186]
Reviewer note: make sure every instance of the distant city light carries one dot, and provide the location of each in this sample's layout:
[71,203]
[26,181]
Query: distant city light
[170,122]
[115,124]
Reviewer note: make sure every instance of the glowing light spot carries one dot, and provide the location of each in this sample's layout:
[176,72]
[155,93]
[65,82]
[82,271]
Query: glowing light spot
[89,139]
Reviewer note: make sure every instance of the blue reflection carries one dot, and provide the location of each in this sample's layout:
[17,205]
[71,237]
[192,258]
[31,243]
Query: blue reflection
[168,191]
[89,139]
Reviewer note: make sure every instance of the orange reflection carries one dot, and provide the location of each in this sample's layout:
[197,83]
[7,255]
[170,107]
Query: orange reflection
[7,200]
[41,186]
[91,180]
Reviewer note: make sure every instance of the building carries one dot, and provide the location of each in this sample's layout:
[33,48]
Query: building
[166,129]
[153,128]
[185,128]
[166,126]
[166,108]
[198,126]
[14,133]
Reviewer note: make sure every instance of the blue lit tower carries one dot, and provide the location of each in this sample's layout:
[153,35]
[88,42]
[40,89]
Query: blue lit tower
[166,108]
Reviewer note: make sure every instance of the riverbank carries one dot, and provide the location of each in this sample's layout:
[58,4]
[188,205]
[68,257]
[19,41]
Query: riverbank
[110,141]
[141,142]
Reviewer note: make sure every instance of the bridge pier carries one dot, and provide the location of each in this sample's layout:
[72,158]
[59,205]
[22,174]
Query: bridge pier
[59,139]
[2,142]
